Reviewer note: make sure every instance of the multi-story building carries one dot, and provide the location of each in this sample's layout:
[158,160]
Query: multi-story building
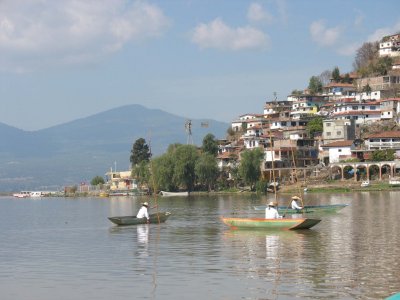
[390,109]
[338,130]
[390,46]
[384,140]
[383,83]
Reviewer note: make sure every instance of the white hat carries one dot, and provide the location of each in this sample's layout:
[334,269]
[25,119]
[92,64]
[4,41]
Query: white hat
[296,198]
[271,203]
[145,204]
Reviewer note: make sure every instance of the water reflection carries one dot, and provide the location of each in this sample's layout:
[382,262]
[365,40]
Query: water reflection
[142,231]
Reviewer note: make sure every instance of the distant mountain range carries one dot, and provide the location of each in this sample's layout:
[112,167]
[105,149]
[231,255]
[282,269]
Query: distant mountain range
[77,151]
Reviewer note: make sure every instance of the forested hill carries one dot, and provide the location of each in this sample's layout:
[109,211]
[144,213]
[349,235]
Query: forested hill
[79,150]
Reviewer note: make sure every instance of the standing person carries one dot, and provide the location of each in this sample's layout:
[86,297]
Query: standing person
[143,212]
[294,204]
[271,212]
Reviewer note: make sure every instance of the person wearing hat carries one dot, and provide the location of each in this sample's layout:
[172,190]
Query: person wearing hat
[294,204]
[143,212]
[271,212]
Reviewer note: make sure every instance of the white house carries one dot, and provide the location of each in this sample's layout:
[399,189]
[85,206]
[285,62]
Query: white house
[339,150]
[390,46]
[390,109]
[384,140]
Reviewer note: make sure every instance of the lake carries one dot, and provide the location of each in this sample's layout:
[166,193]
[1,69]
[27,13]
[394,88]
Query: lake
[66,248]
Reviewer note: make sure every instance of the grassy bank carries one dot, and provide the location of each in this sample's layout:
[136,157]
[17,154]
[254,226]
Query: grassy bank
[339,187]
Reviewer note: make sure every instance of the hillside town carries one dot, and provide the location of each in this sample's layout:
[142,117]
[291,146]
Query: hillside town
[346,128]
[359,115]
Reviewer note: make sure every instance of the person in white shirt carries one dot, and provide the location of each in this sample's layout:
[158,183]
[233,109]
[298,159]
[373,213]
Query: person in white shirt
[294,203]
[143,212]
[271,212]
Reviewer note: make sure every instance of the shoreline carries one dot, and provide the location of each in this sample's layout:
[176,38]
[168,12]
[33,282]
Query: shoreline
[317,187]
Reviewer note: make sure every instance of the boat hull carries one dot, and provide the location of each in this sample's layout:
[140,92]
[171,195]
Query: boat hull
[307,209]
[171,194]
[132,220]
[270,224]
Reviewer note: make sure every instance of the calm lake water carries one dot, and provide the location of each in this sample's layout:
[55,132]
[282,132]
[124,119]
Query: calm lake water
[65,248]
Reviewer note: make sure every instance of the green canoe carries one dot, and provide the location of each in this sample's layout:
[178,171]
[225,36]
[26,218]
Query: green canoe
[132,220]
[260,223]
[308,209]
[394,297]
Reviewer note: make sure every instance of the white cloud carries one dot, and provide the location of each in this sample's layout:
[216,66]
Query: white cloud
[324,36]
[381,32]
[359,18]
[43,32]
[348,50]
[220,36]
[256,13]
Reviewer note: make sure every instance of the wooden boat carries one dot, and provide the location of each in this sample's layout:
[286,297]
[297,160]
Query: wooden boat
[132,220]
[329,208]
[170,194]
[394,297]
[270,224]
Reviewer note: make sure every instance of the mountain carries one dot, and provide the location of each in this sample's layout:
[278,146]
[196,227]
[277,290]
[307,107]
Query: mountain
[76,151]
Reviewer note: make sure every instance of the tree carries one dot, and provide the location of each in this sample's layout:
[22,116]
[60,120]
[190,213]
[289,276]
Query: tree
[97,180]
[296,93]
[206,170]
[185,157]
[346,78]
[163,172]
[383,155]
[315,125]
[141,172]
[325,77]
[365,55]
[336,75]
[210,145]
[249,168]
[383,65]
[315,85]
[140,152]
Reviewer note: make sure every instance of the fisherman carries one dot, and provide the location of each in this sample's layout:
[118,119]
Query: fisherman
[144,212]
[294,204]
[271,212]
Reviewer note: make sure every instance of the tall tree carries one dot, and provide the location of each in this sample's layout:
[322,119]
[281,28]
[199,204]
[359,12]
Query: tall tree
[141,172]
[325,77]
[336,74]
[250,168]
[365,55]
[210,145]
[140,152]
[315,125]
[315,85]
[163,172]
[185,157]
[206,170]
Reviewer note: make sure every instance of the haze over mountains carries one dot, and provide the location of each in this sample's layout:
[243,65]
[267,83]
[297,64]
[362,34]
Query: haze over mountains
[75,152]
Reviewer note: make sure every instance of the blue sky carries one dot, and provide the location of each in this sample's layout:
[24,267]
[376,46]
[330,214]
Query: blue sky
[218,59]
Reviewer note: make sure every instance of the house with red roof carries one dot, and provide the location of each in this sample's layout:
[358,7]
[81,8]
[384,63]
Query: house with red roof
[384,140]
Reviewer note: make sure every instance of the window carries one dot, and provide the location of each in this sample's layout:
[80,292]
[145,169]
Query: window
[339,150]
[328,124]
[338,132]
[354,107]
[372,107]
[328,134]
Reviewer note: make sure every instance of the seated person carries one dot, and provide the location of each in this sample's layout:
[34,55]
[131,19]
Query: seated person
[294,204]
[271,212]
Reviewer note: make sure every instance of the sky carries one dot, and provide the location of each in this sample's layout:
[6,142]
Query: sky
[215,59]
